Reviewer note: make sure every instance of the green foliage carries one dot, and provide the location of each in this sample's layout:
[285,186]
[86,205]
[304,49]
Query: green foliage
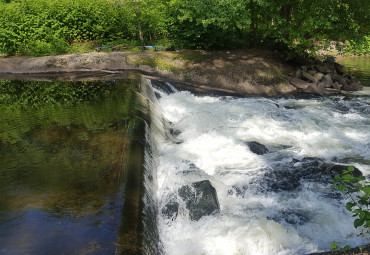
[358,190]
[45,27]
[335,247]
[358,46]
[40,27]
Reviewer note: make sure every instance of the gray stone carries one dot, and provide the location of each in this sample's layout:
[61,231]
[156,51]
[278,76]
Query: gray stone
[318,76]
[339,68]
[299,83]
[340,79]
[338,169]
[304,68]
[353,86]
[313,89]
[200,199]
[171,210]
[321,85]
[337,86]
[298,74]
[327,80]
[348,88]
[309,77]
[312,72]
[257,148]
[323,68]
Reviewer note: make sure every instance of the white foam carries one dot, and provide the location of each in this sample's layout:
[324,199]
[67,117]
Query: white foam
[214,133]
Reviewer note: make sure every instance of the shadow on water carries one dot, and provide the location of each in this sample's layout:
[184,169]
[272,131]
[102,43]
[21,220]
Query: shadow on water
[72,160]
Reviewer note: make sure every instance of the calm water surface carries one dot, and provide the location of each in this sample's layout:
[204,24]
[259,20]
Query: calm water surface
[360,67]
[63,151]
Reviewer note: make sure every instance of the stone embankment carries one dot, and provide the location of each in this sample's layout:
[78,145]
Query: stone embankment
[242,72]
[323,78]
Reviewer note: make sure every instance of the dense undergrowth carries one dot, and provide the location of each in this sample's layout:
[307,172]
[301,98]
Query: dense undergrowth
[44,27]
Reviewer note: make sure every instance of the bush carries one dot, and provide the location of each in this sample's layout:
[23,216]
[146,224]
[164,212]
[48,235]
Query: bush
[40,27]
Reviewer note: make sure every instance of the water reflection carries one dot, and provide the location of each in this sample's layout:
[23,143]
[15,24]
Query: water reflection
[63,151]
[358,66]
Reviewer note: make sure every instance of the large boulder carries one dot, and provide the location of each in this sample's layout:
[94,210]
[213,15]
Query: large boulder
[257,147]
[313,89]
[323,68]
[309,77]
[200,199]
[327,80]
[317,75]
[299,83]
[339,68]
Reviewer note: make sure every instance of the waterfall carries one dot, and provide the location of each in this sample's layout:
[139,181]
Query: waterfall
[271,162]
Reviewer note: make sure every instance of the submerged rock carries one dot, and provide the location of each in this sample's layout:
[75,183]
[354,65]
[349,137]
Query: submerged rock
[291,216]
[200,199]
[171,210]
[338,169]
[281,180]
[257,148]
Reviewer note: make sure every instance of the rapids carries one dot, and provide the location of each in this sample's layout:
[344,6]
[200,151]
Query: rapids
[269,204]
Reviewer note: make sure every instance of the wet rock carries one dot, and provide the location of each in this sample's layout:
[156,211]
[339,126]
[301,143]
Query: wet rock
[175,132]
[191,168]
[257,148]
[200,199]
[291,216]
[313,169]
[277,180]
[338,169]
[171,210]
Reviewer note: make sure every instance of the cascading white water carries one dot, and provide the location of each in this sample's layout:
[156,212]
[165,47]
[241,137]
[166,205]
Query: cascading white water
[270,203]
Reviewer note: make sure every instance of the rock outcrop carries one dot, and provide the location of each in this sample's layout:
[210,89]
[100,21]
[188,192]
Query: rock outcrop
[323,77]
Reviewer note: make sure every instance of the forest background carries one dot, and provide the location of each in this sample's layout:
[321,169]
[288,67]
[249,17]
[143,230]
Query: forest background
[47,27]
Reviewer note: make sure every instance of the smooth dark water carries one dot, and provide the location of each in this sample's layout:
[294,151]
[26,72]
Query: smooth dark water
[64,149]
[358,66]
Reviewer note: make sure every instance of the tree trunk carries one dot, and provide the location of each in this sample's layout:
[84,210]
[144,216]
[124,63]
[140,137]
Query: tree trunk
[253,25]
[137,13]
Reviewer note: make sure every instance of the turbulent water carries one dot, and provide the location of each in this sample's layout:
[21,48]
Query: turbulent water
[273,203]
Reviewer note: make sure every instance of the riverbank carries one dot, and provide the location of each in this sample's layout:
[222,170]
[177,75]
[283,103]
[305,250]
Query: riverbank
[245,72]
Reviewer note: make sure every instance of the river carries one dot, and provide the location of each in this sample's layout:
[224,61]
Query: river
[280,202]
[358,66]
[66,150]
[90,167]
